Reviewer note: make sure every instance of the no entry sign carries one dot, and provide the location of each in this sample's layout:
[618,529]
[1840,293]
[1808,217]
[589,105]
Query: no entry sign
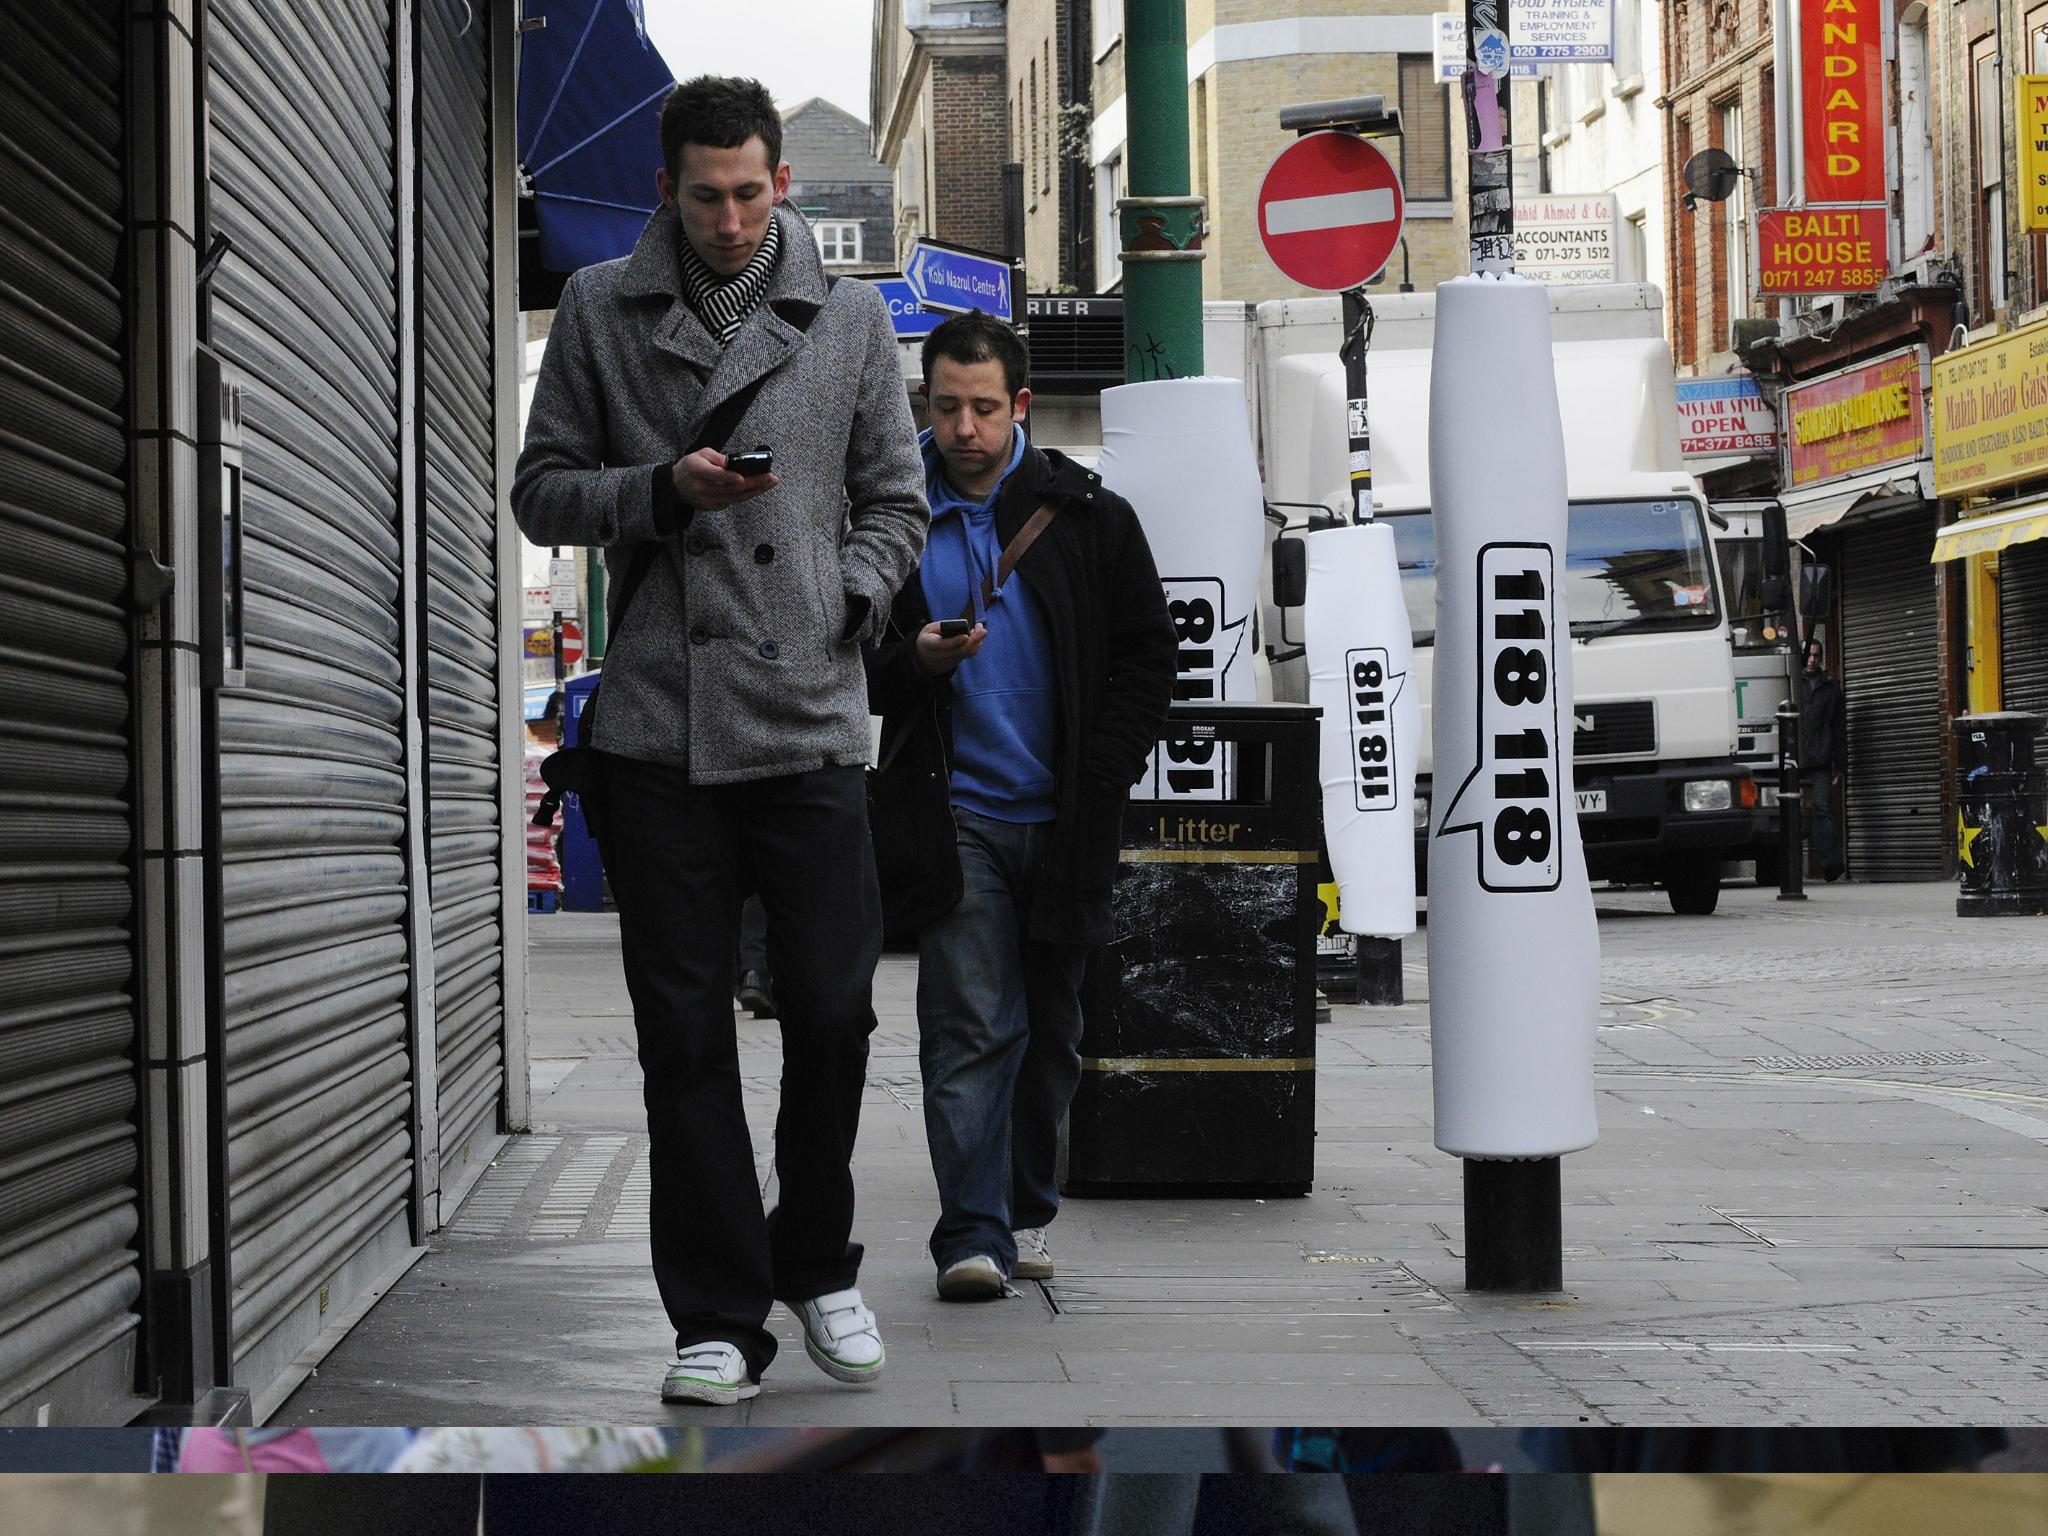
[1330,210]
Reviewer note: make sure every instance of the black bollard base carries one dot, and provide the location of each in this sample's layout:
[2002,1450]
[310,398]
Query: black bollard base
[1514,1225]
[1379,972]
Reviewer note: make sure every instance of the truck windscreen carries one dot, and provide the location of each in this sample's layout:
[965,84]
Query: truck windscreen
[1630,567]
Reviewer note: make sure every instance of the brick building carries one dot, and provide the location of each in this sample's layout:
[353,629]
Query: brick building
[848,195]
[1050,84]
[1248,58]
[939,118]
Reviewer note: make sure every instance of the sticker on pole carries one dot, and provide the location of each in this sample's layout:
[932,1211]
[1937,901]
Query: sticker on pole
[1330,211]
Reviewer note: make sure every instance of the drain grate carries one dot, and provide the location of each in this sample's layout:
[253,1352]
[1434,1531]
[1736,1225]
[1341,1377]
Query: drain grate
[1872,1059]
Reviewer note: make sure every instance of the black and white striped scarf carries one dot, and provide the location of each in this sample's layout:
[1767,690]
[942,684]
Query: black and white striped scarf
[723,303]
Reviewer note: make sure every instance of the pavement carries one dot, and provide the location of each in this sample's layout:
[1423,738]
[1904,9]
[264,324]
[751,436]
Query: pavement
[1818,1198]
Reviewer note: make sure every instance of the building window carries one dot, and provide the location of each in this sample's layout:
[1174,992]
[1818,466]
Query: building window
[1108,18]
[1734,213]
[1109,186]
[1426,132]
[1052,103]
[1916,136]
[1988,150]
[839,242]
[1037,133]
[1635,248]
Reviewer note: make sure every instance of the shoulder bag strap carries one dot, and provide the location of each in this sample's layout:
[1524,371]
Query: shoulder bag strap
[1027,536]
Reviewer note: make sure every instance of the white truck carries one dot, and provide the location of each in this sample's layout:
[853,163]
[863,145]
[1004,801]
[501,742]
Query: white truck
[1661,796]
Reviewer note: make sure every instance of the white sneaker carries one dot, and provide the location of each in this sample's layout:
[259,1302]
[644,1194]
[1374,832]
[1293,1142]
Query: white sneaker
[1034,1258]
[841,1336]
[708,1373]
[974,1278]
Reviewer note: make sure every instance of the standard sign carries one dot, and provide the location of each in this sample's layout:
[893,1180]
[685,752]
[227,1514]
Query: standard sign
[1330,211]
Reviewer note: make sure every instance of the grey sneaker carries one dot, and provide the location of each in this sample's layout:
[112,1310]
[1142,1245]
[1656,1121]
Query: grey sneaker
[1034,1258]
[974,1278]
[708,1373]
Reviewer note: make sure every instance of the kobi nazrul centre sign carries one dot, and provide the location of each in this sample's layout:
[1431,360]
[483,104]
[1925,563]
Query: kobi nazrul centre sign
[1836,241]
[1857,420]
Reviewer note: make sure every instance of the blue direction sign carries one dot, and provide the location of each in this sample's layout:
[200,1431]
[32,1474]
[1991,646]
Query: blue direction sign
[957,281]
[910,320]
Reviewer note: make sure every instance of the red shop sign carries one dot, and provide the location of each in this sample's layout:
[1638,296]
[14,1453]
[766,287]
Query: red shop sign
[1840,46]
[1819,250]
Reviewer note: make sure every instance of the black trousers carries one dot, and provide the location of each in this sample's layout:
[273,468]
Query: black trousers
[676,854]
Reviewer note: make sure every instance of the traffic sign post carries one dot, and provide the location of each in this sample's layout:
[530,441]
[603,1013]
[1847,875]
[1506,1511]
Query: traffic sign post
[954,281]
[572,642]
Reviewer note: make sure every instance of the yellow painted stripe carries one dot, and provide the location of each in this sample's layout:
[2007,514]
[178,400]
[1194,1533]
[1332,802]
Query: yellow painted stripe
[1197,1064]
[1218,856]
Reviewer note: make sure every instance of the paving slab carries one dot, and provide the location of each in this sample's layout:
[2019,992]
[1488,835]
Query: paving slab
[1817,1199]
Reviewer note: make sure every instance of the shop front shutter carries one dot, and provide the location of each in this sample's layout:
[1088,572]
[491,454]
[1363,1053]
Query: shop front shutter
[312,777]
[1891,670]
[2023,629]
[70,1271]
[459,493]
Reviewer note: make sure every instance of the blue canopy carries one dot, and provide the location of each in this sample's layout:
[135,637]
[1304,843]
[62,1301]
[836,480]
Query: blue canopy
[591,85]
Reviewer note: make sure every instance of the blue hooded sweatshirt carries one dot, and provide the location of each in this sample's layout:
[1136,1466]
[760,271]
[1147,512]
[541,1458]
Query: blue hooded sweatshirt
[1004,720]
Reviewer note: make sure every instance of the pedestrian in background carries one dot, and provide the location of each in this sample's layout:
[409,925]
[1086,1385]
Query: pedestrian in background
[1008,750]
[1823,747]
[733,737]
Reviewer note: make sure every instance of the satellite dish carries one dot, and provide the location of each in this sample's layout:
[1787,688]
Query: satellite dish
[1711,174]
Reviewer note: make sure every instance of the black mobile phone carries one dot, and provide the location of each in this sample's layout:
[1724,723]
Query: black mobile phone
[755,461]
[953,629]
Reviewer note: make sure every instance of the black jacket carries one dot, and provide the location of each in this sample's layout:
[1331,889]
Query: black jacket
[1113,648]
[1823,722]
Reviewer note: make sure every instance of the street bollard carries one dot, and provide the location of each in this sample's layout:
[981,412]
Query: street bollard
[1791,849]
[1379,972]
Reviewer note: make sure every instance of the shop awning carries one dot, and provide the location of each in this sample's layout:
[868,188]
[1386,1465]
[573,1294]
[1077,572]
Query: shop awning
[1816,507]
[1983,535]
[591,85]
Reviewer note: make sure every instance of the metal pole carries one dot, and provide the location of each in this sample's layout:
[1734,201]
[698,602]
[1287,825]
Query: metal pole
[1489,135]
[596,631]
[1161,225]
[1514,1213]
[1791,853]
[555,617]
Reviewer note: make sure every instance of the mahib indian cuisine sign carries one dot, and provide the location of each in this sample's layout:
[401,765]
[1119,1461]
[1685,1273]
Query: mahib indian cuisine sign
[1991,413]
[1836,241]
[1857,420]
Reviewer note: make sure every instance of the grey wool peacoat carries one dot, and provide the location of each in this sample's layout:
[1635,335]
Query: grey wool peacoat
[739,657]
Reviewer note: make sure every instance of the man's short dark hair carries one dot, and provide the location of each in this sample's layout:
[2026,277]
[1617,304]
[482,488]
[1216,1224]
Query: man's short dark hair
[719,112]
[979,337]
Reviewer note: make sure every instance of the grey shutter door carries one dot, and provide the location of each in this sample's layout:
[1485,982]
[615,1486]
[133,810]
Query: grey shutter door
[459,492]
[1890,669]
[70,1275]
[318,1074]
[2023,629]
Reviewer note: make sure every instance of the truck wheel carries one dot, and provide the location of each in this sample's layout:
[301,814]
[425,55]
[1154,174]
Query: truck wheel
[1693,882]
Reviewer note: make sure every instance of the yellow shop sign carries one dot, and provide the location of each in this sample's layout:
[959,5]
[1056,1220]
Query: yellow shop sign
[1991,413]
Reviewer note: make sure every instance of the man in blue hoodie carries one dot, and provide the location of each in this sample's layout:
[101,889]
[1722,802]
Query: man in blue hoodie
[1008,751]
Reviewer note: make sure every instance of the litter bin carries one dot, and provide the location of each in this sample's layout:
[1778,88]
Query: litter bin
[1198,1045]
[582,869]
[2004,804]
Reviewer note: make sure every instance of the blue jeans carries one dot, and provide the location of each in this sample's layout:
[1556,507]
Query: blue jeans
[999,1031]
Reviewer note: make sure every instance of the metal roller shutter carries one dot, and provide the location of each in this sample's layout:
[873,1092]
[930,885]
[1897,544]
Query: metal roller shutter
[312,782]
[2023,627]
[1891,670]
[70,1275]
[460,500]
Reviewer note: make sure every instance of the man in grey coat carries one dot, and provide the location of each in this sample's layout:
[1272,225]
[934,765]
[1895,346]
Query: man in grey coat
[733,733]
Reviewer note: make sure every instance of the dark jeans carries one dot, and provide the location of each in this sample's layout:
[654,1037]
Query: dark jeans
[999,1031]
[753,937]
[675,853]
[1820,816]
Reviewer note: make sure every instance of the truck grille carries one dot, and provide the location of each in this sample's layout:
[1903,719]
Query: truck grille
[1621,729]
